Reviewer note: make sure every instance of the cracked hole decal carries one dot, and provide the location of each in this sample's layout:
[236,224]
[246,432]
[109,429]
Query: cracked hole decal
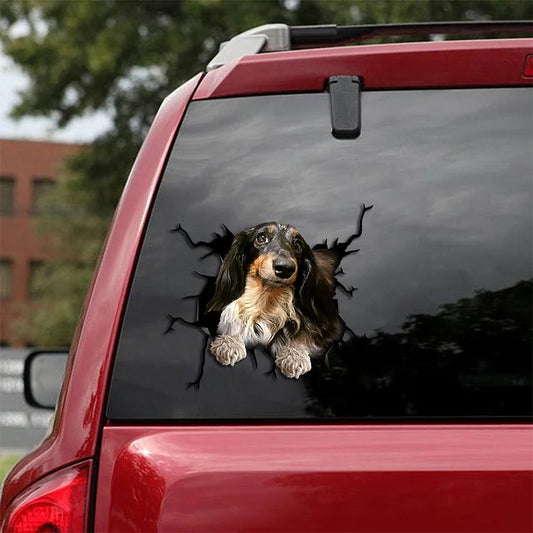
[274,290]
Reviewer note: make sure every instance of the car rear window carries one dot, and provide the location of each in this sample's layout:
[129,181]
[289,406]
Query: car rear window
[435,306]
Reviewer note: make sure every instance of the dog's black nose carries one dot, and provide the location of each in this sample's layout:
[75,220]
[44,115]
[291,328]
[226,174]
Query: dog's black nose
[283,268]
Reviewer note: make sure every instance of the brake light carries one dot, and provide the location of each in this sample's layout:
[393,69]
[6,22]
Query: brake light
[55,504]
[528,67]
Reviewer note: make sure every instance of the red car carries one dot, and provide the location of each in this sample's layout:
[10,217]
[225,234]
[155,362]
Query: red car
[239,367]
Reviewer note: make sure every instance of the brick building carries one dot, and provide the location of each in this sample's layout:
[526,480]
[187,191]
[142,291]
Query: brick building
[28,169]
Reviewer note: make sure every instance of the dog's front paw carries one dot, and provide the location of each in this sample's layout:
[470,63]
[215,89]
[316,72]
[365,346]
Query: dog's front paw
[292,361]
[228,349]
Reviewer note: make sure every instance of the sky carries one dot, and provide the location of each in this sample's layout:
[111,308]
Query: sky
[12,82]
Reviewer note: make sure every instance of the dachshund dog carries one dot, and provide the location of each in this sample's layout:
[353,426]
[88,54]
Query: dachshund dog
[273,290]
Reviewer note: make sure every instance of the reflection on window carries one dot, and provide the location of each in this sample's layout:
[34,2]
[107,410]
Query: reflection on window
[41,188]
[6,278]
[7,195]
[472,356]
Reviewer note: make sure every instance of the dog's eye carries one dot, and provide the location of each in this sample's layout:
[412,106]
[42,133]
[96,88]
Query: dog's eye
[298,246]
[261,238]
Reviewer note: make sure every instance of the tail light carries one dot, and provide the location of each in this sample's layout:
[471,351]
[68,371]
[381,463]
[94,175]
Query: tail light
[55,504]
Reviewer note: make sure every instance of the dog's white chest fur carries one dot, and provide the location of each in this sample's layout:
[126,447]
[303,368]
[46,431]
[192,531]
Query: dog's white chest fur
[252,330]
[258,314]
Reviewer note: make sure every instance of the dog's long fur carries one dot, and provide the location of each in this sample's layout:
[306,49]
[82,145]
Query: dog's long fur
[273,290]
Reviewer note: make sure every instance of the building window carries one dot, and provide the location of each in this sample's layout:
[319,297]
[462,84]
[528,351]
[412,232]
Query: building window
[6,278]
[35,285]
[7,195]
[41,187]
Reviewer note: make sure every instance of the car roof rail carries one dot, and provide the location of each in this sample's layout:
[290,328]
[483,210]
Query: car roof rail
[266,38]
[281,37]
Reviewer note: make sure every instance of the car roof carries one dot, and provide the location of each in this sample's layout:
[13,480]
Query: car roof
[281,37]
[417,65]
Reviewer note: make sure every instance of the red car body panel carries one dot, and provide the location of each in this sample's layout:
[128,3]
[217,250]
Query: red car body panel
[496,63]
[77,424]
[315,478]
[299,477]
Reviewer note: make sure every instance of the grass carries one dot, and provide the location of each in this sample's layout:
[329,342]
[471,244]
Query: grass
[6,462]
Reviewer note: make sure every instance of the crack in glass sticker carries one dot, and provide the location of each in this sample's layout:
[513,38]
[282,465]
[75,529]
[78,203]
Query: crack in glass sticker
[272,290]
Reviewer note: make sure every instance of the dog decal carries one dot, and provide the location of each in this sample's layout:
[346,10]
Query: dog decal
[272,290]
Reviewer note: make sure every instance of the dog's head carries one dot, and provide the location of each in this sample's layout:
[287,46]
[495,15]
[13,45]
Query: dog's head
[275,254]
[278,256]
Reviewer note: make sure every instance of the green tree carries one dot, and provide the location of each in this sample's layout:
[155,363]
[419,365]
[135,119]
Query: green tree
[473,356]
[124,57]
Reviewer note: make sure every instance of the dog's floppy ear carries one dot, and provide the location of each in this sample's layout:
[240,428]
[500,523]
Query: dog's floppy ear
[315,292]
[231,277]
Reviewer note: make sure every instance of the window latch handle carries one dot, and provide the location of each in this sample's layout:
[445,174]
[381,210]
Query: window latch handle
[345,102]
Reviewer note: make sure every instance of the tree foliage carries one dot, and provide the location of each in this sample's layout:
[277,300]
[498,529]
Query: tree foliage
[123,57]
[470,358]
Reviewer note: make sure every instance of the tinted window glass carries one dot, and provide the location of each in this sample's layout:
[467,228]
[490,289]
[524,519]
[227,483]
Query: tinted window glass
[6,278]
[435,307]
[7,195]
[41,188]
